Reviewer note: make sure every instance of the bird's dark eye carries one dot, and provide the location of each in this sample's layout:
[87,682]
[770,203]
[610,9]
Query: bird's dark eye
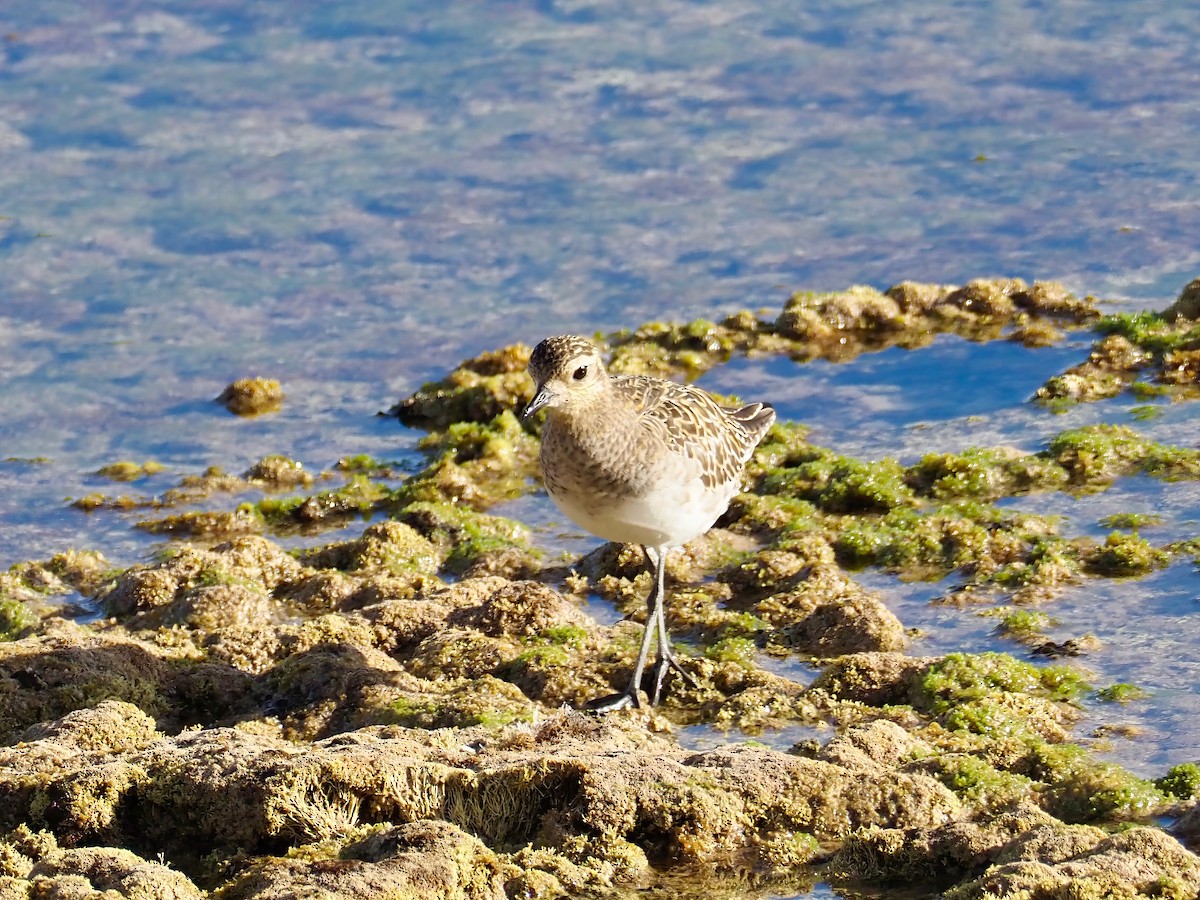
[580,373]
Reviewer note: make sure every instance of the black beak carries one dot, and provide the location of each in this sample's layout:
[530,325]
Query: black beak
[540,399]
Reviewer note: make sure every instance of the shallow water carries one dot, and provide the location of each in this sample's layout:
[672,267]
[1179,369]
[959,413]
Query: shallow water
[352,197]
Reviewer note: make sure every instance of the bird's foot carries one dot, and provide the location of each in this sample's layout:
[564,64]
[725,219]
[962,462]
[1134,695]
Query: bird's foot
[665,662]
[627,699]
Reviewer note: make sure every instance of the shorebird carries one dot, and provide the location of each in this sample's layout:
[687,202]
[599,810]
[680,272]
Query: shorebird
[638,460]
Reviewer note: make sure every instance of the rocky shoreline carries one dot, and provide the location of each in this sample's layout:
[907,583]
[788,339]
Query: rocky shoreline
[392,714]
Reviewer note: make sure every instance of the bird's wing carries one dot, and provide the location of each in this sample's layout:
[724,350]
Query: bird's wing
[693,425]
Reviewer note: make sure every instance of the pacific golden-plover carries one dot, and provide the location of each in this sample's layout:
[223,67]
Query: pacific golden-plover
[638,460]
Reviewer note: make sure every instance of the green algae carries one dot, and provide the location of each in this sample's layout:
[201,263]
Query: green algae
[1122,693]
[963,677]
[359,496]
[1163,345]
[573,636]
[983,473]
[1098,453]
[931,518]
[388,547]
[738,650]
[840,484]
[978,782]
[15,618]
[127,470]
[1150,330]
[1002,712]
[1131,521]
[1127,556]
[1024,624]
[1182,781]
[466,534]
[480,389]
[1081,789]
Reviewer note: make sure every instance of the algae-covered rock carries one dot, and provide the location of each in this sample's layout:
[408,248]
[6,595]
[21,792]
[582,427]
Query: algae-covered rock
[1109,369]
[128,470]
[109,871]
[413,861]
[877,679]
[279,472]
[390,547]
[1140,862]
[45,677]
[464,535]
[379,715]
[946,854]
[112,726]
[569,778]
[1187,305]
[1162,345]
[478,390]
[856,622]
[252,396]
[252,562]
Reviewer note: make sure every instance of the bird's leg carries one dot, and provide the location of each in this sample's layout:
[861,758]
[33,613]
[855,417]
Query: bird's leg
[666,656]
[653,620]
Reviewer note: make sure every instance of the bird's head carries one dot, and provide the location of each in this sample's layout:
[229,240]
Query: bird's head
[566,371]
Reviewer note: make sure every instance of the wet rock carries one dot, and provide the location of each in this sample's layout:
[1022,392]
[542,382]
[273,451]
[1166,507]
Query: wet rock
[510,563]
[104,871]
[1181,367]
[817,317]
[570,778]
[112,726]
[917,298]
[1111,366]
[389,547]
[1187,305]
[413,861]
[252,561]
[478,390]
[1188,827]
[497,606]
[874,745]
[323,591]
[826,799]
[941,856]
[990,298]
[462,534]
[279,473]
[204,525]
[252,396]
[876,679]
[128,470]
[855,622]
[1141,861]
[459,653]
[44,677]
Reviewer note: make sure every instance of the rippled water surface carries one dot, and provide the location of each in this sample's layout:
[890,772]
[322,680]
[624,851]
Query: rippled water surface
[353,196]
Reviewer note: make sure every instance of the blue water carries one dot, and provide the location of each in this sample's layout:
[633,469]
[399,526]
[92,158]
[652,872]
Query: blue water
[353,196]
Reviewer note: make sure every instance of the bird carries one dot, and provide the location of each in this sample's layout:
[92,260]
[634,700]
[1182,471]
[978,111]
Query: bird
[638,460]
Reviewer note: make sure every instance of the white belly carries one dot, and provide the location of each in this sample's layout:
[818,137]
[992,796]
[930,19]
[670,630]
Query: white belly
[667,516]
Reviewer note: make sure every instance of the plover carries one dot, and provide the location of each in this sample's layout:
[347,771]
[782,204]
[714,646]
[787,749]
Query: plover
[638,460]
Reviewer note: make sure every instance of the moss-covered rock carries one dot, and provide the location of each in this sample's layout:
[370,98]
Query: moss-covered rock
[478,390]
[252,396]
